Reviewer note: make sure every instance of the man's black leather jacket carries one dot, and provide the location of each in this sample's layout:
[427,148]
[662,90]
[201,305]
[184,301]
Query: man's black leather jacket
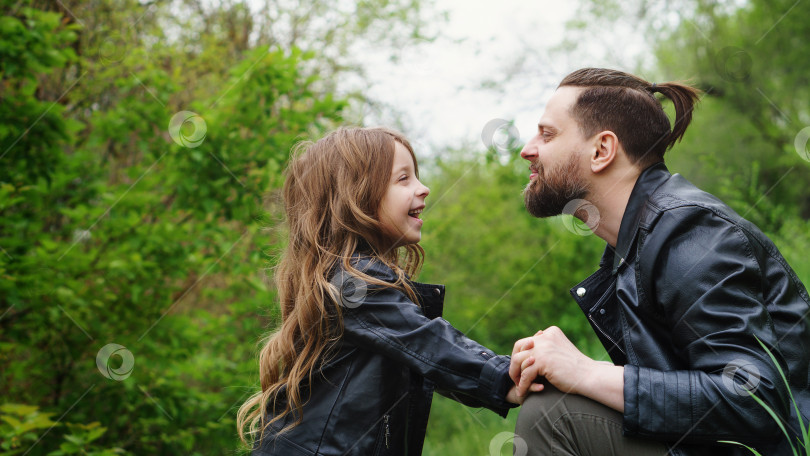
[373,396]
[681,302]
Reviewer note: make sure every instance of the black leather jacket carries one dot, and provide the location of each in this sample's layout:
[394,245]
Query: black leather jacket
[680,303]
[373,397]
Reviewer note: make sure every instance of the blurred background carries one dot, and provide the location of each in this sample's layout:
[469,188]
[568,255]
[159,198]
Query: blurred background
[141,151]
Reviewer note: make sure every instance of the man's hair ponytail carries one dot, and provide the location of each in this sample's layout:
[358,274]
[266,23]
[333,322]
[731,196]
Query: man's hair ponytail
[626,105]
[683,98]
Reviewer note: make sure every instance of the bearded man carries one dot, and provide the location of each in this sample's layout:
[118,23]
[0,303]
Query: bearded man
[696,307]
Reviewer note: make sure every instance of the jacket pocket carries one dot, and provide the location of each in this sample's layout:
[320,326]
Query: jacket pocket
[383,436]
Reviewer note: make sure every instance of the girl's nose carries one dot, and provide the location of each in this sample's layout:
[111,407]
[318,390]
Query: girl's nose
[423,190]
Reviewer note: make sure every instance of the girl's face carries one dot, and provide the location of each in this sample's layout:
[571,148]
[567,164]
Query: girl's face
[402,204]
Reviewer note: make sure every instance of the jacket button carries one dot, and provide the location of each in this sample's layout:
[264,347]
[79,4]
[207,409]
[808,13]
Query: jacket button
[580,292]
[437,292]
[601,311]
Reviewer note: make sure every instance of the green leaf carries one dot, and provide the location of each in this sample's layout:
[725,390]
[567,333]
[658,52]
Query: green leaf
[742,445]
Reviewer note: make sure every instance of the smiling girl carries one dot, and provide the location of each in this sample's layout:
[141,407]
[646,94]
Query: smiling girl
[361,348]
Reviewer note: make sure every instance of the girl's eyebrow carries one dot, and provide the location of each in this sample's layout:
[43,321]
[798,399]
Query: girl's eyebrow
[405,167]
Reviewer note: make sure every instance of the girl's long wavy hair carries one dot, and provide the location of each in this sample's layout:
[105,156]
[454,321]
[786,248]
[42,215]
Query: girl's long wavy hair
[332,195]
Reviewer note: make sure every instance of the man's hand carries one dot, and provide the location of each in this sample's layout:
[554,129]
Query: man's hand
[550,354]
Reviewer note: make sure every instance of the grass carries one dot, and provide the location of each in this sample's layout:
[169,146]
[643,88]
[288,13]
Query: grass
[803,448]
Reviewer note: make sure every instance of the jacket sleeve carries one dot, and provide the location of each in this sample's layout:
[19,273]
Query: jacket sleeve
[385,321]
[707,288]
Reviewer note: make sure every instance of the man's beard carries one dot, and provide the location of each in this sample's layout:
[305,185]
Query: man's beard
[549,193]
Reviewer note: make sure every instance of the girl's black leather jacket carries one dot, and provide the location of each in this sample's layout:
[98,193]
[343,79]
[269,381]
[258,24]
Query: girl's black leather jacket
[373,396]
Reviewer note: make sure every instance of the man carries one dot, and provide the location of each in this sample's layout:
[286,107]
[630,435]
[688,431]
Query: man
[685,292]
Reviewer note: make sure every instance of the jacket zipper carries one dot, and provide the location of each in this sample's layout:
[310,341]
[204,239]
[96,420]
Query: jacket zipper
[387,430]
[590,317]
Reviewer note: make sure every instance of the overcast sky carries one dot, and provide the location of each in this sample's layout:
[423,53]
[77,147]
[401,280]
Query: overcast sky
[494,61]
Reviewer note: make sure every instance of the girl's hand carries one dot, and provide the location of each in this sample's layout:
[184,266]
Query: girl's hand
[512,396]
[522,345]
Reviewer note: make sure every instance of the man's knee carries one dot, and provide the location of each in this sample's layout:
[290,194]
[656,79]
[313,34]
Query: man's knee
[540,411]
[537,417]
[552,422]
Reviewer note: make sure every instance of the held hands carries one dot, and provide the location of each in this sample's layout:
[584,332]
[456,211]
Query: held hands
[549,354]
[512,396]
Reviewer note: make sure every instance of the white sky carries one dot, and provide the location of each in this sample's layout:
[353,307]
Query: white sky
[438,87]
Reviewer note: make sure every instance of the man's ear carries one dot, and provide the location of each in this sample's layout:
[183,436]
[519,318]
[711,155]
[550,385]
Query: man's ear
[606,149]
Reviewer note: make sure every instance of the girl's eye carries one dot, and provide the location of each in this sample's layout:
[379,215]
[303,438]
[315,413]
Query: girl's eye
[403,177]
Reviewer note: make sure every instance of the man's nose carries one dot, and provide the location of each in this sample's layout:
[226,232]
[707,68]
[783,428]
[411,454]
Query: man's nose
[529,151]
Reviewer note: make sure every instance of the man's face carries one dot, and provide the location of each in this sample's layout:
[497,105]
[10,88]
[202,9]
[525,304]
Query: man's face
[558,156]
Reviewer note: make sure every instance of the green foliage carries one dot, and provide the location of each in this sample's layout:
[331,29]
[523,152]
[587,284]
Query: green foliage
[17,425]
[19,421]
[115,233]
[32,43]
[756,102]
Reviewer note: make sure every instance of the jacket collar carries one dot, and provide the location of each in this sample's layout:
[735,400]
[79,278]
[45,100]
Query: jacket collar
[431,298]
[649,180]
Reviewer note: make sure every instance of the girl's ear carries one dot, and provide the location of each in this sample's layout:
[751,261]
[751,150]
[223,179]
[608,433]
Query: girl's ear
[606,147]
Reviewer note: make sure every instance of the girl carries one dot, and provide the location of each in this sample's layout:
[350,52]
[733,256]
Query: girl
[361,348]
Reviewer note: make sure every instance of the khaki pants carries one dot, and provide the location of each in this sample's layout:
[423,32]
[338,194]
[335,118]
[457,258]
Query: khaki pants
[551,423]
